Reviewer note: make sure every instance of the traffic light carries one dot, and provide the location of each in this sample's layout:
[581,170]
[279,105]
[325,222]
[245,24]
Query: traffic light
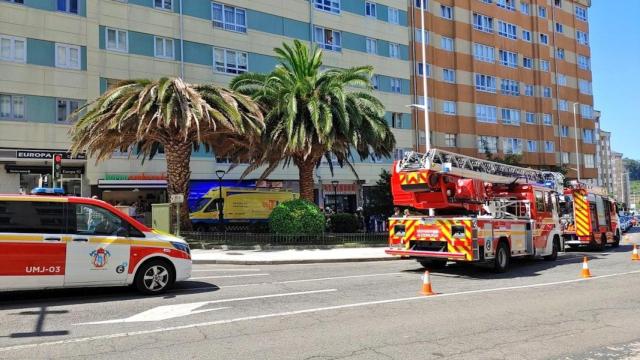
[57,166]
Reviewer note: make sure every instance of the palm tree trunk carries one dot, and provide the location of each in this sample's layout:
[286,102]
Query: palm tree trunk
[178,156]
[305,177]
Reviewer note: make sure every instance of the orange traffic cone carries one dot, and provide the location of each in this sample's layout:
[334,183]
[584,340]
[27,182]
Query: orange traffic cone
[634,254]
[426,285]
[585,268]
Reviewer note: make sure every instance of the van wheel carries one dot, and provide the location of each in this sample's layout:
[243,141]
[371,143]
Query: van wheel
[433,264]
[154,277]
[502,259]
[554,253]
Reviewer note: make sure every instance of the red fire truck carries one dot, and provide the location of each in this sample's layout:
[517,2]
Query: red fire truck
[472,210]
[589,218]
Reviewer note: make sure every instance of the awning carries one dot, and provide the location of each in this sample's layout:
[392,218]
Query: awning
[132,184]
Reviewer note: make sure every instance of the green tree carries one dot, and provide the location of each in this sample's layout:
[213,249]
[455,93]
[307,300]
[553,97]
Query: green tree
[170,114]
[312,113]
[380,199]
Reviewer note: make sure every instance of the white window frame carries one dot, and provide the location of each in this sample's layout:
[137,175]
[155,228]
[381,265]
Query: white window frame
[451,140]
[507,4]
[508,58]
[490,142]
[563,105]
[418,35]
[485,83]
[224,23]
[525,8]
[544,39]
[394,50]
[546,92]
[562,80]
[446,12]
[370,9]
[486,113]
[482,23]
[547,119]
[585,87]
[560,53]
[512,146]
[447,43]
[230,68]
[588,139]
[396,85]
[421,65]
[549,146]
[529,90]
[509,87]
[564,131]
[330,6]
[393,15]
[449,76]
[371,45]
[484,53]
[532,146]
[528,116]
[67,6]
[526,37]
[559,28]
[527,63]
[544,65]
[565,157]
[12,48]
[322,43]
[68,110]
[582,37]
[375,82]
[507,30]
[589,161]
[165,41]
[510,116]
[449,107]
[163,5]
[581,13]
[542,12]
[586,111]
[584,62]
[117,40]
[12,107]
[67,50]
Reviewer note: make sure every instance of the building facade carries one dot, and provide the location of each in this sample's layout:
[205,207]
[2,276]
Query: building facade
[621,181]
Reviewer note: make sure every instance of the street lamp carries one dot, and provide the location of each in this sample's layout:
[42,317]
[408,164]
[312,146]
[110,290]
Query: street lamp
[575,132]
[220,175]
[425,92]
[335,193]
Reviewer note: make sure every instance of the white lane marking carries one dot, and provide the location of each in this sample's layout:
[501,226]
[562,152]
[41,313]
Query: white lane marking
[226,276]
[178,310]
[230,270]
[290,313]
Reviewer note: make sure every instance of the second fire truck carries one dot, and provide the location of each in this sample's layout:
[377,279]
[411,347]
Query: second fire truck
[473,210]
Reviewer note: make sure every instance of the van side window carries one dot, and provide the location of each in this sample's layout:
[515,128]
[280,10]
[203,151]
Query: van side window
[32,217]
[539,201]
[94,220]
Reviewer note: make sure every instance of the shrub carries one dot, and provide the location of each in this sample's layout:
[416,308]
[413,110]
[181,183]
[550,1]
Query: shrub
[344,223]
[297,217]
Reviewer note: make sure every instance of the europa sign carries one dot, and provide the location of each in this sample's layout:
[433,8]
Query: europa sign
[142,176]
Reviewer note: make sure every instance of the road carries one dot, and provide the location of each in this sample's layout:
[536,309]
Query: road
[539,310]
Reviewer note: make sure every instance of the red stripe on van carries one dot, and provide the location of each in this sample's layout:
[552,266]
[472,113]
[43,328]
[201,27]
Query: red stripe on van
[32,259]
[140,252]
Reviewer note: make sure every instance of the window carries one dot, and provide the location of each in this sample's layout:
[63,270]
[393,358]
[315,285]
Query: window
[584,62]
[372,46]
[13,48]
[230,61]
[328,39]
[332,6]
[560,53]
[163,48]
[117,40]
[375,82]
[393,15]
[582,37]
[68,6]
[506,4]
[559,28]
[525,8]
[485,83]
[398,121]
[421,5]
[93,220]
[589,161]
[484,53]
[528,90]
[429,105]
[66,109]
[398,154]
[557,3]
[507,30]
[418,35]
[449,107]
[586,111]
[510,87]
[563,105]
[488,143]
[446,43]
[585,87]
[449,75]
[587,136]
[11,107]
[487,1]
[565,157]
[512,146]
[532,146]
[564,131]
[38,217]
[546,92]
[486,113]
[163,4]
[508,58]
[526,35]
[542,11]
[446,12]
[394,50]
[229,18]
[450,140]
[68,56]
[482,23]
[396,85]
[370,9]
[527,63]
[510,116]
[581,13]
[420,69]
[562,80]
[544,39]
[548,146]
[544,65]
[530,118]
[15,1]
[547,119]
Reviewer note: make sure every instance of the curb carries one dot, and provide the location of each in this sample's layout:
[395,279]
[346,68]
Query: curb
[284,262]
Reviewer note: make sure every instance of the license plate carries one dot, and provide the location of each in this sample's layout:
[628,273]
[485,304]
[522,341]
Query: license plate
[428,233]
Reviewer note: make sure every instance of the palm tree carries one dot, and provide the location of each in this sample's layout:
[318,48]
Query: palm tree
[170,114]
[310,113]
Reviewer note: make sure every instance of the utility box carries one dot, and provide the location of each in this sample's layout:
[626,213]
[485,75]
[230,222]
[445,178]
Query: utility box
[161,217]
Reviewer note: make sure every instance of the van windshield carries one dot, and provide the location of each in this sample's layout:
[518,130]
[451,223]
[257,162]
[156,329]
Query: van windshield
[200,204]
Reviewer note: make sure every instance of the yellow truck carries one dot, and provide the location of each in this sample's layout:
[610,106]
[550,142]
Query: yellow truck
[239,205]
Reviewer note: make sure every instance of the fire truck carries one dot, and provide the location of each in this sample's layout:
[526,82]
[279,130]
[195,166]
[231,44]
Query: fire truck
[589,217]
[473,210]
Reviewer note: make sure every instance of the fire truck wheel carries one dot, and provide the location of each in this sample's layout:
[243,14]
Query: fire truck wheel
[433,264]
[554,253]
[603,243]
[154,276]
[502,259]
[616,240]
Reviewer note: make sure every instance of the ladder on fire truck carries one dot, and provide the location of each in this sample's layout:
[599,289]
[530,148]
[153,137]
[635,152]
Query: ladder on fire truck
[474,168]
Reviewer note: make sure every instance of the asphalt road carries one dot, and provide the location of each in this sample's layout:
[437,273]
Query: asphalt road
[539,310]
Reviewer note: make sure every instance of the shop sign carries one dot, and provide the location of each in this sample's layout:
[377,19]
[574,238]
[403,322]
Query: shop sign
[43,170]
[340,188]
[177,198]
[143,176]
[47,155]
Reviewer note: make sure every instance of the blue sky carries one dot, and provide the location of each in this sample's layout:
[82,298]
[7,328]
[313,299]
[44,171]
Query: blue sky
[615,62]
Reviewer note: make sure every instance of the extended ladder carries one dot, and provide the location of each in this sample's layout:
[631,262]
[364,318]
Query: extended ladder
[474,168]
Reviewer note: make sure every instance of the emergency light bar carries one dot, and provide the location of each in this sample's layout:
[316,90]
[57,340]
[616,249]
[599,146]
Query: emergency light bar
[47,191]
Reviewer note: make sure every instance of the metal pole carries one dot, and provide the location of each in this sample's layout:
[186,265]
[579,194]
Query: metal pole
[53,172]
[427,140]
[220,215]
[181,42]
[575,131]
[335,196]
[178,205]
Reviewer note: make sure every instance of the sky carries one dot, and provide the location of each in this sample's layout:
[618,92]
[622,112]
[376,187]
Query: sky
[614,36]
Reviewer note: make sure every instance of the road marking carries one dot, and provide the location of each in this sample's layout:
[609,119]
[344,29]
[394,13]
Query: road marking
[225,276]
[230,270]
[292,313]
[166,312]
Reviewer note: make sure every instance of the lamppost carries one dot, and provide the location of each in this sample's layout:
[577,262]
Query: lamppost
[220,175]
[575,132]
[335,194]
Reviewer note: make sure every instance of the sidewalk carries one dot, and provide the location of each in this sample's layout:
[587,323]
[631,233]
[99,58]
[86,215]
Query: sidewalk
[266,257]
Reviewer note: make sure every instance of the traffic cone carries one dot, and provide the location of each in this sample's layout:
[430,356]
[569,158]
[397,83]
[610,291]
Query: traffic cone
[634,254]
[585,268]
[426,285]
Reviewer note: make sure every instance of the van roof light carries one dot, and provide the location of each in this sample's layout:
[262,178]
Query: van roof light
[47,191]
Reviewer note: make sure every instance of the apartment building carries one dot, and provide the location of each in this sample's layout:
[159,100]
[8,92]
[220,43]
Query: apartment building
[507,76]
[57,55]
[621,180]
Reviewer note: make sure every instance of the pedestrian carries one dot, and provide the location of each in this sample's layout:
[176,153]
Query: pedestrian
[407,213]
[396,212]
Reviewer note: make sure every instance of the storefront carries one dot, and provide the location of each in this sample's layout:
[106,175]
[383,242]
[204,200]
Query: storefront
[341,197]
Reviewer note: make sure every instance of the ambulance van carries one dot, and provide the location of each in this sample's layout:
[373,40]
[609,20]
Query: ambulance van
[53,241]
